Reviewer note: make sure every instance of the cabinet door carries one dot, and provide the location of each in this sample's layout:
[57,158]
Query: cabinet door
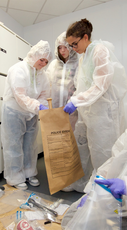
[2,87]
[2,84]
[22,48]
[1,155]
[7,49]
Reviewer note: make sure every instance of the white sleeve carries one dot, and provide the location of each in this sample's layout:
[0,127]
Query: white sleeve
[19,84]
[25,102]
[125,179]
[102,78]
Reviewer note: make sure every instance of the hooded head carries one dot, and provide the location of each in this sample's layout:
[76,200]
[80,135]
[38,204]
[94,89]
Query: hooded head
[61,41]
[39,51]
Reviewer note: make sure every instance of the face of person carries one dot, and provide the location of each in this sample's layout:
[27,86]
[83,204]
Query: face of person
[40,63]
[63,51]
[78,44]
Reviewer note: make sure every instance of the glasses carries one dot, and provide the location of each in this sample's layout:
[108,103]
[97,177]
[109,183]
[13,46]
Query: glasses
[75,45]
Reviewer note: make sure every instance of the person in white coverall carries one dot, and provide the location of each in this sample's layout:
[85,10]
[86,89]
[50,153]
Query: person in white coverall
[114,175]
[61,72]
[27,88]
[101,88]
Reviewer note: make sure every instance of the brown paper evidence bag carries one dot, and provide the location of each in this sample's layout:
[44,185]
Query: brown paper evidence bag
[62,160]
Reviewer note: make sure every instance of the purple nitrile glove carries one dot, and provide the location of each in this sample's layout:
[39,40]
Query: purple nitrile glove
[82,202]
[69,108]
[42,107]
[116,185]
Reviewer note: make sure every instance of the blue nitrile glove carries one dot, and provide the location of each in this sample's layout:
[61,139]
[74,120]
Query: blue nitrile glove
[69,108]
[42,107]
[82,202]
[117,186]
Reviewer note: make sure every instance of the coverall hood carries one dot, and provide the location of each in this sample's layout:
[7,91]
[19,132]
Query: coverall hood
[61,40]
[38,51]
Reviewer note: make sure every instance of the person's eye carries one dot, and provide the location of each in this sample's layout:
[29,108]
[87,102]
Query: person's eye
[75,44]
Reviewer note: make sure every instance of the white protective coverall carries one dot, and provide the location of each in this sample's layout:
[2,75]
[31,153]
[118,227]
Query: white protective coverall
[101,87]
[114,167]
[61,77]
[25,89]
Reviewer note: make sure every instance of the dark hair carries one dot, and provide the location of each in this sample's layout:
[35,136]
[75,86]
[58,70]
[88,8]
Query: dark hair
[79,29]
[60,56]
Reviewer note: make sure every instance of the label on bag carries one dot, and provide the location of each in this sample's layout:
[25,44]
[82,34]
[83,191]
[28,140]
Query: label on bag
[24,225]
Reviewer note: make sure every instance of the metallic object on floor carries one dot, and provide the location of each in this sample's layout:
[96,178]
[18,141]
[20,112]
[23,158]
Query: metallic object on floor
[42,207]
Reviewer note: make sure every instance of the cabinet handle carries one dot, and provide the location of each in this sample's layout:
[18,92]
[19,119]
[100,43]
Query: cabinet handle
[4,51]
[20,59]
[1,98]
[3,74]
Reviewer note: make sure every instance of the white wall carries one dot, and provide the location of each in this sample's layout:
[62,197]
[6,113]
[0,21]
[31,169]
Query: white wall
[9,22]
[108,19]
[109,23]
[124,33]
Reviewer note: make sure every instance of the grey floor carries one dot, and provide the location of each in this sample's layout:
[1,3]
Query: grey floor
[43,187]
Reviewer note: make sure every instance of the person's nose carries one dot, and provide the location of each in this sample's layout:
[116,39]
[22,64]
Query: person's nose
[74,48]
[63,49]
[45,63]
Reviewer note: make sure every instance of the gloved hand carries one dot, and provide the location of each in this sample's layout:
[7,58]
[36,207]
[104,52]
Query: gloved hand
[82,202]
[117,186]
[69,108]
[42,107]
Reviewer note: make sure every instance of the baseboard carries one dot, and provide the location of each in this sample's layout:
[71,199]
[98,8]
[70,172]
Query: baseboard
[40,155]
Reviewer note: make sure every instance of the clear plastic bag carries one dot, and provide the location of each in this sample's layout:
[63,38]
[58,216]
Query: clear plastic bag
[15,198]
[36,198]
[18,221]
[35,202]
[11,200]
[101,211]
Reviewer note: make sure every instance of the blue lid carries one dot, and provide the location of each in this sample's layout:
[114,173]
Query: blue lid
[106,188]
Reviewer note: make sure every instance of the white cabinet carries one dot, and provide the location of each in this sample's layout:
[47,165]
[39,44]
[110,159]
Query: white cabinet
[7,49]
[12,49]
[2,85]
[22,48]
[1,154]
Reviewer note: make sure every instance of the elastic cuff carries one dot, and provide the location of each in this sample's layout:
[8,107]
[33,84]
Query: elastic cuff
[74,100]
[125,180]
